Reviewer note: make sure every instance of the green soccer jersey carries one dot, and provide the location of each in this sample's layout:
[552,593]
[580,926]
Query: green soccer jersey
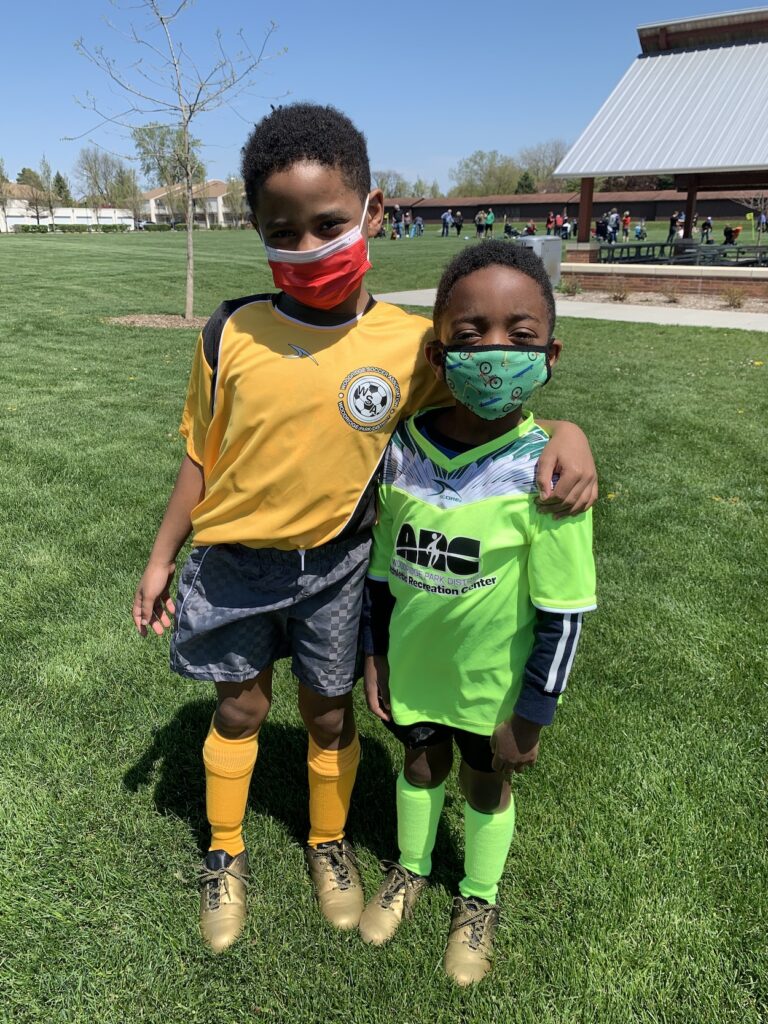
[469,558]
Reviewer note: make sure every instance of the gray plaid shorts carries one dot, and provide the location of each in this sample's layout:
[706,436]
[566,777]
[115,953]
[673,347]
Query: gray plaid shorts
[239,609]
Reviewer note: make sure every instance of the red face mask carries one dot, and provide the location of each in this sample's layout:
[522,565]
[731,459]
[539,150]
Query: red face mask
[325,276]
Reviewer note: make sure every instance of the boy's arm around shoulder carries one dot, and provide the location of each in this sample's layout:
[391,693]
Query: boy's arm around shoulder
[568,456]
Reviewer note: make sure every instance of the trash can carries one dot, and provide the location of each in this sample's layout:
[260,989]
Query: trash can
[549,249]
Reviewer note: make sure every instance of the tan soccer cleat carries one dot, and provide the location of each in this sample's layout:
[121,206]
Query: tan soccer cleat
[223,881]
[394,901]
[470,941]
[333,870]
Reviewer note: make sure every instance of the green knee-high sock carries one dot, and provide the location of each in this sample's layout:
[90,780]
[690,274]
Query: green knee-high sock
[418,812]
[487,839]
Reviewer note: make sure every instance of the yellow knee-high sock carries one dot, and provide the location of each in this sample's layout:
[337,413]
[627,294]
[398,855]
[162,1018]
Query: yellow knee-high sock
[228,769]
[331,778]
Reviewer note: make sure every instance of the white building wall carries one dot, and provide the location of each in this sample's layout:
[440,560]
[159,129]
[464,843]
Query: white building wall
[18,213]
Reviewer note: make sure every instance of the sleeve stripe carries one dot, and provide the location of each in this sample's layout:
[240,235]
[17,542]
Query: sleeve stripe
[572,655]
[564,654]
[564,611]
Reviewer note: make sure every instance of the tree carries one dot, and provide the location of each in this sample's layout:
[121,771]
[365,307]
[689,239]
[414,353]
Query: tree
[27,176]
[126,191]
[4,192]
[526,186]
[627,183]
[235,200]
[165,81]
[541,160]
[160,151]
[392,183]
[34,191]
[98,174]
[62,189]
[434,190]
[49,192]
[484,173]
[420,188]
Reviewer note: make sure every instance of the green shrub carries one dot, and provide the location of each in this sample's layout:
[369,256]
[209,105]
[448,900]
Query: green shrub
[157,227]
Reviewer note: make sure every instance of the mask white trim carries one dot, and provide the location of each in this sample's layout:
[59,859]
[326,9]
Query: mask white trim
[326,249]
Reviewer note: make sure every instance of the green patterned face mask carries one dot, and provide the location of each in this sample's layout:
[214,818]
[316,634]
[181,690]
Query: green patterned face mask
[494,380]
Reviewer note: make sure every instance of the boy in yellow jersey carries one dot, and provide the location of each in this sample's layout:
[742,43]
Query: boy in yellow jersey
[292,399]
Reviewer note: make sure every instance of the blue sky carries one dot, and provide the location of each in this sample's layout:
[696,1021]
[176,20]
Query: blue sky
[428,87]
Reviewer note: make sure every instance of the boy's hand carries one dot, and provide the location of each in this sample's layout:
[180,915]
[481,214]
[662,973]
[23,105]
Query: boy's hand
[376,680]
[568,456]
[152,602]
[515,745]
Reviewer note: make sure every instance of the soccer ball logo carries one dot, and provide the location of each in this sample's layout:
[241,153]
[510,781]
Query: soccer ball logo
[370,398]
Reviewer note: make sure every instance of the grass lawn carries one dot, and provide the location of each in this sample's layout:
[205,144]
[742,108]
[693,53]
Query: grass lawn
[636,888]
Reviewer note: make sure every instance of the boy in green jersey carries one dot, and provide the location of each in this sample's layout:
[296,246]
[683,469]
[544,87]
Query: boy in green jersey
[474,598]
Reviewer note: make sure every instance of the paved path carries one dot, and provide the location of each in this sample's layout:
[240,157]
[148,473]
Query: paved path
[623,312]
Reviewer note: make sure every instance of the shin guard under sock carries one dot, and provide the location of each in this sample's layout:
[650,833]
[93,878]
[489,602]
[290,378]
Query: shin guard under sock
[228,769]
[331,779]
[487,839]
[418,812]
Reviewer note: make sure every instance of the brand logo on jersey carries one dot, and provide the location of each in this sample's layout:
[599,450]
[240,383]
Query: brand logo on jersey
[444,488]
[300,353]
[459,555]
[368,397]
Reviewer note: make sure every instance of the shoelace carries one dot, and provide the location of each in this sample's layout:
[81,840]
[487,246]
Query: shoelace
[477,924]
[214,878]
[397,884]
[338,858]
[401,882]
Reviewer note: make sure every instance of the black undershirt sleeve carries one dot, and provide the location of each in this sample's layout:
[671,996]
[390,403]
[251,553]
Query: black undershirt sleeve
[556,637]
[378,604]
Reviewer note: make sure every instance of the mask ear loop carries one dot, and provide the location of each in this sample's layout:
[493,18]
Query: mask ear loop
[364,222]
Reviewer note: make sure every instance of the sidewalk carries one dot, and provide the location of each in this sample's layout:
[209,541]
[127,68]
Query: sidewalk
[623,312]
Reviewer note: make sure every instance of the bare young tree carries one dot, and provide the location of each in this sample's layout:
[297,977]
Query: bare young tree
[35,196]
[165,85]
[5,193]
[46,177]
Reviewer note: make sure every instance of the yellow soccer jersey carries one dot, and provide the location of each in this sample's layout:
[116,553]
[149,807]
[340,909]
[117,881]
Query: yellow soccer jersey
[291,425]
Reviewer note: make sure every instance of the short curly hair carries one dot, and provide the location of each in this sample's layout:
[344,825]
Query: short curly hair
[305,131]
[489,254]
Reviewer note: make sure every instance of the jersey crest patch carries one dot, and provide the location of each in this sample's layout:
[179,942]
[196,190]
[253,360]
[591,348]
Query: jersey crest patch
[368,398]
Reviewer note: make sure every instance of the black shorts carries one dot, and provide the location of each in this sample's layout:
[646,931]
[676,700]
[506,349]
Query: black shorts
[475,750]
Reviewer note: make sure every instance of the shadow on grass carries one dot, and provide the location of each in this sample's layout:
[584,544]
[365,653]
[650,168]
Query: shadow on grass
[278,787]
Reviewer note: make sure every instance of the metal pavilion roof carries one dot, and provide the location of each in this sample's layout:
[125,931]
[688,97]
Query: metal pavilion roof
[681,111]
